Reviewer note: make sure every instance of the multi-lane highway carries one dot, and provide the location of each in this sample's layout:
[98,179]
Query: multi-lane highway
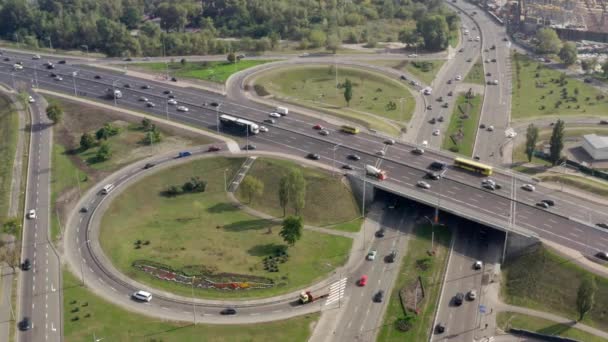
[40,294]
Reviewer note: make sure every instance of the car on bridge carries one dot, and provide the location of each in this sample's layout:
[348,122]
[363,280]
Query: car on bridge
[423,184]
[477,265]
[602,225]
[472,294]
[313,156]
[354,157]
[528,187]
[213,148]
[182,108]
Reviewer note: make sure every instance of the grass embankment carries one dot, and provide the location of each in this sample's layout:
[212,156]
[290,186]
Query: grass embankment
[215,71]
[328,200]
[592,185]
[506,320]
[205,230]
[464,121]
[74,170]
[417,249]
[544,281]
[476,74]
[9,129]
[375,97]
[538,91]
[113,323]
[424,70]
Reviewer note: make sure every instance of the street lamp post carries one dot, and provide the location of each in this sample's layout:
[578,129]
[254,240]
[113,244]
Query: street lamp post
[217,117]
[74,73]
[114,92]
[167,109]
[432,232]
[193,304]
[334,159]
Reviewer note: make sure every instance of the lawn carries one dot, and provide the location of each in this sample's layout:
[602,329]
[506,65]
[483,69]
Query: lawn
[417,249]
[9,128]
[216,71]
[507,320]
[74,168]
[205,231]
[464,121]
[476,74]
[538,91]
[595,186]
[544,281]
[113,323]
[424,70]
[375,96]
[353,226]
[322,192]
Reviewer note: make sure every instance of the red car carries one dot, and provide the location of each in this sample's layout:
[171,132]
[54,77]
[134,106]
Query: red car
[213,148]
[363,280]
[317,126]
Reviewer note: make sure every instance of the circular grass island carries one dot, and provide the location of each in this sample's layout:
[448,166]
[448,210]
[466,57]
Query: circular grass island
[378,101]
[167,238]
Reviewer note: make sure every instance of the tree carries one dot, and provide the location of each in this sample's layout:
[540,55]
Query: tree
[548,41]
[317,38]
[531,138]
[103,153]
[194,185]
[284,193]
[146,124]
[106,131]
[434,31]
[568,53]
[172,16]
[348,91]
[297,190]
[585,296]
[231,57]
[152,136]
[292,229]
[54,113]
[252,186]
[86,141]
[557,142]
[333,43]
[410,37]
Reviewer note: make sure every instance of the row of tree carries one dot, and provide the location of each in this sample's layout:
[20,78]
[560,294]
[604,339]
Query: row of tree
[547,42]
[556,142]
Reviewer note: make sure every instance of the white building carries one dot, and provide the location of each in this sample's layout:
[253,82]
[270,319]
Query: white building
[596,146]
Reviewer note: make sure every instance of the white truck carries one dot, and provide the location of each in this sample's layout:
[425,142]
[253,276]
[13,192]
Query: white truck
[114,93]
[18,67]
[375,172]
[282,110]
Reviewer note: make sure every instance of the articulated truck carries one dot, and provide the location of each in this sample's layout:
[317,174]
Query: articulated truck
[375,172]
[307,297]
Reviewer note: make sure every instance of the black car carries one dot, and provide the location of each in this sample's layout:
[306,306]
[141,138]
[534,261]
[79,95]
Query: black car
[482,126]
[249,147]
[602,225]
[25,324]
[150,104]
[440,328]
[493,47]
[380,233]
[391,256]
[97,77]
[433,175]
[128,59]
[167,92]
[53,74]
[50,66]
[27,265]
[173,79]
[148,165]
[61,62]
[440,119]
[171,96]
[84,210]
[6,59]
[146,86]
[347,167]
[127,85]
[602,255]
[354,157]
[214,104]
[228,311]
[549,202]
[403,78]
[379,296]
[438,166]
[458,298]
[313,156]
[433,121]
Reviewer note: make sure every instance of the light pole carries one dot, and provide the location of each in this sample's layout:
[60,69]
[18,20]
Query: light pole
[50,42]
[217,117]
[432,232]
[74,73]
[193,304]
[334,160]
[114,92]
[167,109]
[85,47]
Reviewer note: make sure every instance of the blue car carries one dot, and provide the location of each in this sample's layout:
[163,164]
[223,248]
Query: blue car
[184,154]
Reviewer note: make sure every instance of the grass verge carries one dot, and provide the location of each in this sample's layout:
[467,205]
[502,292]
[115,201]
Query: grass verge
[506,320]
[375,97]
[417,249]
[203,233]
[462,131]
[424,70]
[544,281]
[353,226]
[113,323]
[591,185]
[322,193]
[216,71]
[476,74]
[541,91]
[9,129]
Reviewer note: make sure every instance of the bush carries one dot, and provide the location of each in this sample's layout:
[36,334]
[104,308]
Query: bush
[260,90]
[454,149]
[406,323]
[172,191]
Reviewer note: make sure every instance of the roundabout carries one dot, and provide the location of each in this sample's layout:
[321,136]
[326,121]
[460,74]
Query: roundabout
[88,259]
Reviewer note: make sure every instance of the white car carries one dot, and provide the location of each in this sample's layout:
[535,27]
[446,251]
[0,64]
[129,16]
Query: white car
[263,129]
[528,187]
[478,265]
[423,184]
[372,255]
[412,55]
[458,78]
[274,115]
[58,78]
[36,57]
[324,132]
[472,294]
[172,102]
[18,67]
[31,214]
[30,99]
[182,108]
[143,99]
[477,38]
[381,153]
[436,132]
[142,296]
[490,128]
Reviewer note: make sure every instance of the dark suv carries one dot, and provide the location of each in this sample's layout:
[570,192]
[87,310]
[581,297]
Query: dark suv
[438,166]
[458,298]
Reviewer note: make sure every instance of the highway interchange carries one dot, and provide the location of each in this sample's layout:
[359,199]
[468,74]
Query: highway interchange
[569,223]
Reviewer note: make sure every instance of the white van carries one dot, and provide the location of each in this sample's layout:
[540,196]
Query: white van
[142,296]
[18,67]
[106,189]
[282,110]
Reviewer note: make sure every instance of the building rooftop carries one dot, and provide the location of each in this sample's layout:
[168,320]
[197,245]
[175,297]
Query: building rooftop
[596,141]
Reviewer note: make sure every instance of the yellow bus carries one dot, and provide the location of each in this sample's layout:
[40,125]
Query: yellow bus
[350,129]
[473,166]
